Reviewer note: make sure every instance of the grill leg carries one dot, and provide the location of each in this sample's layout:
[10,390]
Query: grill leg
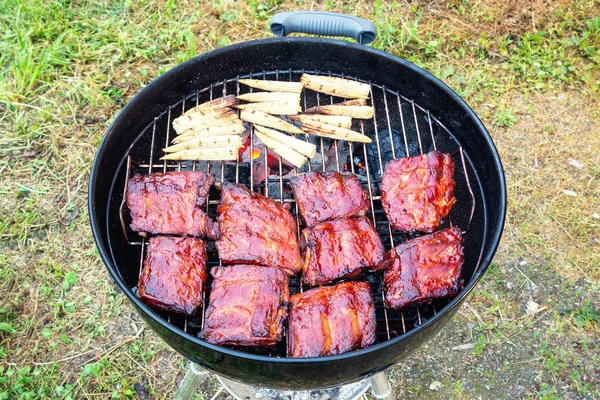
[190,383]
[380,387]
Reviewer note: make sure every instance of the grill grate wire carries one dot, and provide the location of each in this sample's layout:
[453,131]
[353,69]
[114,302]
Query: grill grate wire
[390,323]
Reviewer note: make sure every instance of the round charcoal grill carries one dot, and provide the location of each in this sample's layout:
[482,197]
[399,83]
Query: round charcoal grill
[414,113]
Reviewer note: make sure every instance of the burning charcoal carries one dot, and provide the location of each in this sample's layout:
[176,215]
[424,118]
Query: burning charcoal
[256,154]
[316,164]
[386,151]
[343,151]
[355,162]
[275,188]
[244,172]
[229,171]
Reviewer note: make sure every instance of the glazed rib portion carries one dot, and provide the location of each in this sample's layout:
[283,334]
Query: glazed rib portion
[331,320]
[170,203]
[417,192]
[325,196]
[256,230]
[423,269]
[248,306]
[339,249]
[173,277]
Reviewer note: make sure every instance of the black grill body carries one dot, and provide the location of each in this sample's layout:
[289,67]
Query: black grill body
[454,127]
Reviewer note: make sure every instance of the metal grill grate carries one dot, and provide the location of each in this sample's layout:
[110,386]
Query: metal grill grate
[399,128]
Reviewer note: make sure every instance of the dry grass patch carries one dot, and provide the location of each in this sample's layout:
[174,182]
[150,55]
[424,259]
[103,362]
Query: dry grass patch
[530,69]
[552,166]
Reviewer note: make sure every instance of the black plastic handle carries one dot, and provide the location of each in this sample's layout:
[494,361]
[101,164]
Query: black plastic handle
[325,24]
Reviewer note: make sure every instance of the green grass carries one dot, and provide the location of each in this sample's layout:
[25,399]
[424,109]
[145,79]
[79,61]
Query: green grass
[531,70]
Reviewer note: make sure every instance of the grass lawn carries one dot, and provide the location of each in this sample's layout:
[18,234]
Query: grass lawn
[530,69]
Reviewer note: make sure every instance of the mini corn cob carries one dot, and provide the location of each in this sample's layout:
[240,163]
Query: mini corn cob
[291,155]
[264,119]
[334,132]
[306,149]
[276,108]
[336,120]
[273,86]
[334,86]
[269,97]
[217,153]
[206,142]
[360,112]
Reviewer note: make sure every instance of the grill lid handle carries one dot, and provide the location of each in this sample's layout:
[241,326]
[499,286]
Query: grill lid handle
[324,24]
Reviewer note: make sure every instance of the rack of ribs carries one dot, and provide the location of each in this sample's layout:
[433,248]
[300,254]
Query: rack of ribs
[339,249]
[256,230]
[173,277]
[417,192]
[170,203]
[424,268]
[326,196]
[247,306]
[331,320]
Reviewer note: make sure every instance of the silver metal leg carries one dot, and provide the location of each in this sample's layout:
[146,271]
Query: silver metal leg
[194,376]
[380,387]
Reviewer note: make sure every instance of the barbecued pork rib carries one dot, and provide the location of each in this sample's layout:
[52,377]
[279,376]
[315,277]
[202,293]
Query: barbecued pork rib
[424,268]
[248,306]
[339,249]
[417,192]
[256,230]
[170,203]
[331,320]
[174,274]
[325,196]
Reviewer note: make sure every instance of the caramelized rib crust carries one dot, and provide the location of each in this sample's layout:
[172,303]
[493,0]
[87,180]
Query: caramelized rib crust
[417,192]
[331,320]
[170,203]
[339,249]
[325,196]
[248,306]
[256,230]
[174,274]
[423,269]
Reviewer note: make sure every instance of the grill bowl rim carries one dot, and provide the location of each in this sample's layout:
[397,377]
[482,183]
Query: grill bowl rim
[105,253]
